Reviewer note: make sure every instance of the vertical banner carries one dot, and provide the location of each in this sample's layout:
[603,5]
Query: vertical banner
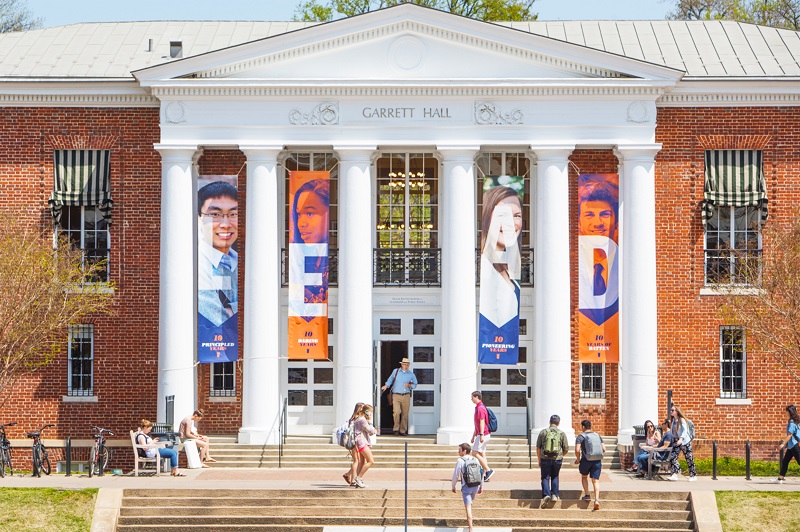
[598,265]
[501,266]
[217,269]
[309,204]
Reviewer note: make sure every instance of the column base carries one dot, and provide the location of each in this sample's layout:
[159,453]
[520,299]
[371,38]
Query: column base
[255,436]
[453,436]
[624,437]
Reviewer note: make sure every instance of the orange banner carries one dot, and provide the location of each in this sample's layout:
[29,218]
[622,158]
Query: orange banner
[309,200]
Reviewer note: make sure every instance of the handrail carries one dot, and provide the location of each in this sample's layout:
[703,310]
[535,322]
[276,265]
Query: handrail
[528,431]
[282,423]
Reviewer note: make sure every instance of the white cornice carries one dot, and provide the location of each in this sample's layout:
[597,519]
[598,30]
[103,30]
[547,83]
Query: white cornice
[78,100]
[728,99]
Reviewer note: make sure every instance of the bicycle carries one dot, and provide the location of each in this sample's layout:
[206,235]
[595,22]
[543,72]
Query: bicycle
[41,461]
[5,451]
[101,455]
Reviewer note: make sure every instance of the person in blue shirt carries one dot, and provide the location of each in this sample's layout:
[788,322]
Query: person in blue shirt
[790,443]
[402,382]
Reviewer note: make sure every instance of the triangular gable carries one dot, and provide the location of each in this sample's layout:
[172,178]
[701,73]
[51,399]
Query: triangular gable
[406,42]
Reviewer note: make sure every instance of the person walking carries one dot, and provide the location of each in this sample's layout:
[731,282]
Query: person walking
[790,443]
[481,435]
[682,444]
[402,382]
[468,493]
[551,446]
[352,473]
[589,450]
[362,428]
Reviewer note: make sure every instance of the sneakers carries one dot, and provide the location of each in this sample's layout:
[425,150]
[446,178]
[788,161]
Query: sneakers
[778,480]
[545,500]
[359,483]
[692,478]
[488,475]
[587,498]
[674,477]
[555,498]
[596,505]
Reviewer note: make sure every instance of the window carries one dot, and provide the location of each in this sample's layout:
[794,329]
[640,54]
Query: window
[223,379]
[732,374]
[593,381]
[80,365]
[734,210]
[87,230]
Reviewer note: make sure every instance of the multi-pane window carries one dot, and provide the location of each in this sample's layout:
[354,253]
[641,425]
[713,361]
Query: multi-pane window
[732,360]
[87,230]
[593,381]
[223,379]
[80,364]
[734,209]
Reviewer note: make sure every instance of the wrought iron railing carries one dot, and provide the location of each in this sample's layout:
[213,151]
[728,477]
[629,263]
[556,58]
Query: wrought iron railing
[333,267]
[407,267]
[526,277]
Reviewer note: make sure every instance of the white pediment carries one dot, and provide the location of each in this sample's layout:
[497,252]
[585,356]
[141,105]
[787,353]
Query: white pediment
[406,44]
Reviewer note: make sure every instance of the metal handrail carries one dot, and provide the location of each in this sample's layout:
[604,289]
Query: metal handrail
[528,431]
[282,423]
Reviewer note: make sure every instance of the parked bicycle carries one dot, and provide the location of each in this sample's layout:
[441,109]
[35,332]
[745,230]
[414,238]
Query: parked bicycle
[41,461]
[101,455]
[5,451]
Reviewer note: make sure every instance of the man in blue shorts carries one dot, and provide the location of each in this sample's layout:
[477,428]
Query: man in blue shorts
[468,493]
[589,450]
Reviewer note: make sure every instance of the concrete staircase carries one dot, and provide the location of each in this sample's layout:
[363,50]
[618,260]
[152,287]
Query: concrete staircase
[311,511]
[504,452]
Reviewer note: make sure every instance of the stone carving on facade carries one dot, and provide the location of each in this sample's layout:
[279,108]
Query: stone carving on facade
[174,113]
[324,114]
[637,113]
[489,114]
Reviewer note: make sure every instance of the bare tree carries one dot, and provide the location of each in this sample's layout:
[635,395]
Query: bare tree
[45,290]
[770,313]
[15,16]
[479,9]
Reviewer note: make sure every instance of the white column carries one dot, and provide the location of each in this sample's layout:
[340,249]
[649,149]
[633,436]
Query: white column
[177,314]
[638,382]
[552,390]
[353,359]
[459,308]
[261,401]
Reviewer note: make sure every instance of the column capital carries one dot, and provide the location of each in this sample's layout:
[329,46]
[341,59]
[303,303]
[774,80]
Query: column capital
[633,152]
[261,154]
[176,152]
[551,152]
[458,152]
[355,153]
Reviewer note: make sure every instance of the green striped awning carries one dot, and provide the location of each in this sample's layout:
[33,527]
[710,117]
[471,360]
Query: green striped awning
[734,178]
[82,179]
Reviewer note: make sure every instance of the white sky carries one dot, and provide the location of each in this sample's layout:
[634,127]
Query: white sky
[60,12]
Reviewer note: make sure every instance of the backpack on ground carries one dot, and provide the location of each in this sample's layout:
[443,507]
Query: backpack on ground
[492,420]
[552,442]
[471,473]
[592,446]
[690,428]
[345,436]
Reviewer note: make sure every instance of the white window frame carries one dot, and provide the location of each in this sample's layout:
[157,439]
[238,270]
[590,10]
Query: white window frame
[738,247]
[728,349]
[592,393]
[82,233]
[80,333]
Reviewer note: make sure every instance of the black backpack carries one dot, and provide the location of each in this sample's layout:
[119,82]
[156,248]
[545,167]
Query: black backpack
[142,452]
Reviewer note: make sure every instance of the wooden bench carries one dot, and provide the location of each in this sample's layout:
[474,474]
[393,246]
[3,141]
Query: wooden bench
[138,459]
[655,466]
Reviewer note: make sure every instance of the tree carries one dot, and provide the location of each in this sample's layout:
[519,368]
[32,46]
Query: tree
[44,292]
[775,13]
[15,16]
[770,314]
[505,10]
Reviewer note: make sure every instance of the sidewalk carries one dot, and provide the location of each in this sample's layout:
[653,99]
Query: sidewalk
[111,486]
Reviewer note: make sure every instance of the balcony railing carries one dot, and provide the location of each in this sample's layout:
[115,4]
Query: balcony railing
[526,274]
[407,267]
[333,267]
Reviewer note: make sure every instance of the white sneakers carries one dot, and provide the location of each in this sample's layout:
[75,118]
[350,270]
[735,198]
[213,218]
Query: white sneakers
[778,480]
[674,477]
[692,478]
[359,483]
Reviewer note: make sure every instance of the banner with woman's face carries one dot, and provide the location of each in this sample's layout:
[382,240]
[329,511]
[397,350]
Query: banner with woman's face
[217,269]
[501,226]
[309,207]
[598,267]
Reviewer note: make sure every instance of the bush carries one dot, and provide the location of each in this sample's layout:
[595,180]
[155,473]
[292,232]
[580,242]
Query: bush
[735,467]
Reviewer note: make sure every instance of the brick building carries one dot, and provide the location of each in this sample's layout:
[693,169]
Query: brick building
[376,100]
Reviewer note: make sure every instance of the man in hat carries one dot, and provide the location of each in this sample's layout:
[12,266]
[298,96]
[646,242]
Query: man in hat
[402,381]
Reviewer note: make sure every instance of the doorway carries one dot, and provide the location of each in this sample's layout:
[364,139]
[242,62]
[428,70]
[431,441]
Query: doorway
[392,352]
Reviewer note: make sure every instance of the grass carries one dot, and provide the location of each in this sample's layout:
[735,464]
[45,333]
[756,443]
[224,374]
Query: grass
[765,511]
[735,467]
[51,509]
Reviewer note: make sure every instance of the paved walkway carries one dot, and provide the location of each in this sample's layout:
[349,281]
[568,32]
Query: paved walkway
[111,486]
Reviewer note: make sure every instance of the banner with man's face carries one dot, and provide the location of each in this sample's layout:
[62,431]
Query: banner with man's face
[598,267]
[501,226]
[217,269]
[309,206]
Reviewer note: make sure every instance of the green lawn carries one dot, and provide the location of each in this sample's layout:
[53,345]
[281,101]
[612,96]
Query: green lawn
[51,509]
[764,511]
[735,467]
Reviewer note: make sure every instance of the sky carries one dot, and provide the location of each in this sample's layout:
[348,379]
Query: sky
[60,12]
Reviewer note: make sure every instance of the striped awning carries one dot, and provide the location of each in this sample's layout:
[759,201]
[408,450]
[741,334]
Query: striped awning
[82,179]
[734,178]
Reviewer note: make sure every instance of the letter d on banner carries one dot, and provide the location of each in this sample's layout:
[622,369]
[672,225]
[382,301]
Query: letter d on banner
[309,205]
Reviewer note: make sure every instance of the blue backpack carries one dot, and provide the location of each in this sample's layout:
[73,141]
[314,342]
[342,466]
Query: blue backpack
[492,420]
